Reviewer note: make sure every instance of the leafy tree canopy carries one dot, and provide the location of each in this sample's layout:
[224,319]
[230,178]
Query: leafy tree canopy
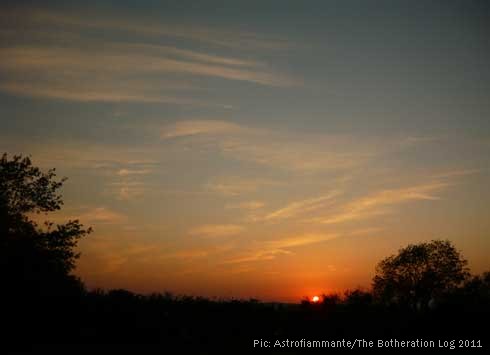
[40,259]
[419,272]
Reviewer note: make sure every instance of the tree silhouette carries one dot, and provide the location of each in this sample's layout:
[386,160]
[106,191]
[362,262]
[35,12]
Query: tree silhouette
[418,273]
[35,262]
[475,294]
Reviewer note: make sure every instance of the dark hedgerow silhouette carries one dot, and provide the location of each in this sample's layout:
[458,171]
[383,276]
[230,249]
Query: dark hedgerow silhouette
[41,301]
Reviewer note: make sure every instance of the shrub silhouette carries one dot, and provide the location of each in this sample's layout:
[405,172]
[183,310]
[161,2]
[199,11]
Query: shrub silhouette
[358,299]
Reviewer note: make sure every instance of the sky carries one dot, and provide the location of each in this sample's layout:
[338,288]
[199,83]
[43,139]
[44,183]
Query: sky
[266,149]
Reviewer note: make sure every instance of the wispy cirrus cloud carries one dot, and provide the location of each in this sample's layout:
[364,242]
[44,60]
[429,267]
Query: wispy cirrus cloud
[271,249]
[236,185]
[377,202]
[300,240]
[191,55]
[299,207]
[81,93]
[127,190]
[130,180]
[258,255]
[247,205]
[32,18]
[128,76]
[56,58]
[128,172]
[195,127]
[293,155]
[216,230]
[188,254]
[456,173]
[268,250]
[99,215]
[307,153]
[111,256]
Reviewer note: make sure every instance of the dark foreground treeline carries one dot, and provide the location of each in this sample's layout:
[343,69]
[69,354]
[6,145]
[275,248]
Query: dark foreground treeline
[207,326]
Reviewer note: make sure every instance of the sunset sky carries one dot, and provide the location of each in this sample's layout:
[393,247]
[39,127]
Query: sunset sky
[254,149]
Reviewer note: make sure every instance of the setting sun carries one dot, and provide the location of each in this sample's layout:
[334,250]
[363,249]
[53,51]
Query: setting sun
[315,299]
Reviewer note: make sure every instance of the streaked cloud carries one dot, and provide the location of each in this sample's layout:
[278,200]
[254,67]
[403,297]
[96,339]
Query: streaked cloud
[128,172]
[416,140]
[127,190]
[195,127]
[131,181]
[188,254]
[90,216]
[269,250]
[76,91]
[171,51]
[226,38]
[296,155]
[298,207]
[302,153]
[111,257]
[102,215]
[235,185]
[73,74]
[60,62]
[258,256]
[247,205]
[300,240]
[216,230]
[64,61]
[375,203]
[456,173]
